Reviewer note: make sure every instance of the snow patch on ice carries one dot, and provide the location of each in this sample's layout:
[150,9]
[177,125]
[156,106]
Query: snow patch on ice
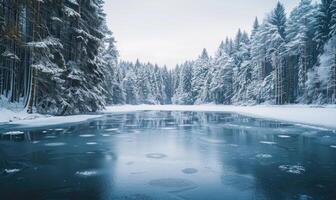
[11,171]
[87,173]
[13,133]
[264,156]
[54,144]
[91,143]
[292,169]
[86,135]
[284,136]
[267,142]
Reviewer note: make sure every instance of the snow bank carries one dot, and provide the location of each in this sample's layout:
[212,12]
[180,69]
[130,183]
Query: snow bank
[301,114]
[24,119]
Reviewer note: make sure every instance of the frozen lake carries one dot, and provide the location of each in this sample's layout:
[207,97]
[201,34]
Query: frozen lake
[168,155]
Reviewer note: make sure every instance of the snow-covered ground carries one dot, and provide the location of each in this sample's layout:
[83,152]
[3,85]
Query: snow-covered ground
[24,119]
[304,115]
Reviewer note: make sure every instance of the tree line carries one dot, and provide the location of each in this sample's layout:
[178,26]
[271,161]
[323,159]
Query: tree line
[284,60]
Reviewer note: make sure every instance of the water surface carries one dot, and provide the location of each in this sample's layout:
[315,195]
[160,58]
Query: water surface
[168,155]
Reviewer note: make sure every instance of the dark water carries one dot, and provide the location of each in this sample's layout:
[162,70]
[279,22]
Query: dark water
[168,155]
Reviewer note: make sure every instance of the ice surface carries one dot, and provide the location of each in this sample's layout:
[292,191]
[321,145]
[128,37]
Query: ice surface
[293,169]
[50,137]
[303,114]
[171,183]
[240,182]
[133,197]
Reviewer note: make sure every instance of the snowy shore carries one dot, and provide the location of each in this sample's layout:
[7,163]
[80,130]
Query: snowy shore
[299,114]
[324,117]
[23,119]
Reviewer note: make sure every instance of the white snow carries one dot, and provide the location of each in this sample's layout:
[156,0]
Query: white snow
[301,114]
[54,144]
[11,171]
[267,142]
[23,119]
[292,169]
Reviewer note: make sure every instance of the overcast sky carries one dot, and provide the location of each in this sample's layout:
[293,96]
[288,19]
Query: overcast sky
[173,31]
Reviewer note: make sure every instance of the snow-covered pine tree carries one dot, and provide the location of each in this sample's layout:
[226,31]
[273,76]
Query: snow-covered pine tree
[200,70]
[300,47]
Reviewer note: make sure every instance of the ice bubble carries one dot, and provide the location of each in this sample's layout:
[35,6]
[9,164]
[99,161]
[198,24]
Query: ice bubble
[189,171]
[333,146]
[156,155]
[106,135]
[293,169]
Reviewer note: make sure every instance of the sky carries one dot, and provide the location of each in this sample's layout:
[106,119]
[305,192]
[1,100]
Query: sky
[170,32]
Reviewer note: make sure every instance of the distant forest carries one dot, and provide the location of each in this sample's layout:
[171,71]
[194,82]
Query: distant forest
[59,57]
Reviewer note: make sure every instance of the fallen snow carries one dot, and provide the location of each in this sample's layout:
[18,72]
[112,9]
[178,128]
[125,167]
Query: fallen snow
[23,119]
[301,114]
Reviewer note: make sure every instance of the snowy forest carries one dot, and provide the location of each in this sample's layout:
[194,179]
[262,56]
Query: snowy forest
[59,57]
